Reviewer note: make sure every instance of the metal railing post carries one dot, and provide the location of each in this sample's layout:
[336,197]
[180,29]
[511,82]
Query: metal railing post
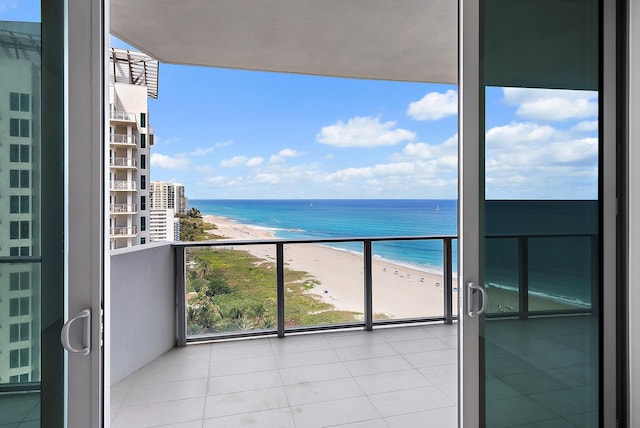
[181,300]
[523,277]
[447,262]
[368,287]
[280,286]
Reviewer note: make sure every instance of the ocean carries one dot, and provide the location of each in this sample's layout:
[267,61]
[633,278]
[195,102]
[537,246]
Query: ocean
[560,267]
[346,218]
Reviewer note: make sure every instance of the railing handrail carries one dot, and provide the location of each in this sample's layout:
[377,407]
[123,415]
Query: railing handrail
[123,230]
[123,161]
[124,207]
[225,242]
[122,185]
[122,115]
[122,139]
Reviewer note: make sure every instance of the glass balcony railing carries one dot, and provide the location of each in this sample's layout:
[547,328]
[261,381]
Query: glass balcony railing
[124,162]
[122,185]
[124,231]
[123,208]
[122,139]
[244,288]
[122,116]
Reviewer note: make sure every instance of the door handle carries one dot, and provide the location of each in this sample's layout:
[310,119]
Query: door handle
[471,287]
[64,334]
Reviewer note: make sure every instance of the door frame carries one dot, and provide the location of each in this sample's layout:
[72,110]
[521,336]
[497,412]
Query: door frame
[86,238]
[471,216]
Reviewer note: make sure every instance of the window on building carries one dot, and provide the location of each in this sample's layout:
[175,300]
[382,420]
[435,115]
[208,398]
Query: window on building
[14,153]
[14,204]
[19,332]
[24,179]
[24,153]
[19,281]
[14,230]
[14,127]
[143,223]
[19,378]
[14,178]
[24,229]
[14,251]
[143,203]
[19,102]
[25,204]
[143,241]
[19,358]
[143,141]
[143,161]
[143,120]
[25,128]
[25,251]
[143,182]
[18,306]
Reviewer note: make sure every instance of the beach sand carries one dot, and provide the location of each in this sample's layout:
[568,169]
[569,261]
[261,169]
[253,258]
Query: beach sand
[399,291]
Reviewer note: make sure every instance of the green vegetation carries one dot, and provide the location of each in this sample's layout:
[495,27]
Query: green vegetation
[193,228]
[232,290]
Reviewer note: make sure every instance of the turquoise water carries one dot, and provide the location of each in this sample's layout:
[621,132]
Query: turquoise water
[559,266]
[352,218]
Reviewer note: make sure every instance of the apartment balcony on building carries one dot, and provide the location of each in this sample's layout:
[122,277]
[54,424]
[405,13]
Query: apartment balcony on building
[123,232]
[122,117]
[123,162]
[126,209]
[123,140]
[266,359]
[122,185]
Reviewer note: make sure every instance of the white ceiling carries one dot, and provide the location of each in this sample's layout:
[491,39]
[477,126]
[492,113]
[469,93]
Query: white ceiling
[406,40]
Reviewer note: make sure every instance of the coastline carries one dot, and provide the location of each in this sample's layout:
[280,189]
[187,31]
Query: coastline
[399,291]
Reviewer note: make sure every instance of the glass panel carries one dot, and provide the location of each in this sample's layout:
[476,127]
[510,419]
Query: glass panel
[20,341]
[230,289]
[408,279]
[323,285]
[541,262]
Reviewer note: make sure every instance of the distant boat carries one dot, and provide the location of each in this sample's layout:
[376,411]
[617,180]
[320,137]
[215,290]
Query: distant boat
[437,208]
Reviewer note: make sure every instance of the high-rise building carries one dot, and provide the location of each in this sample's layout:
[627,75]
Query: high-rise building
[20,201]
[161,224]
[134,79]
[168,196]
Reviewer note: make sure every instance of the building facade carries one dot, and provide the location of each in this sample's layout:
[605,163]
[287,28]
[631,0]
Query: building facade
[165,195]
[20,201]
[161,224]
[133,81]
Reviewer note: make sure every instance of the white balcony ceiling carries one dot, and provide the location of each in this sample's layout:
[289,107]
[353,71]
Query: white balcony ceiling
[406,40]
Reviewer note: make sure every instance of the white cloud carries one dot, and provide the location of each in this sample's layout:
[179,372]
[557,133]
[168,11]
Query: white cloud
[163,161]
[586,126]
[7,5]
[554,105]
[233,162]
[434,106]
[508,135]
[283,154]
[416,151]
[255,161]
[380,170]
[202,152]
[223,144]
[363,132]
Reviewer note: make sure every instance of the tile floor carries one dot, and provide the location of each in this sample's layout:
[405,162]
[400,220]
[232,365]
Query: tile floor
[393,377]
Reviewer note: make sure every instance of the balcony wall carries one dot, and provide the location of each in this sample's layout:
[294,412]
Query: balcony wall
[143,325]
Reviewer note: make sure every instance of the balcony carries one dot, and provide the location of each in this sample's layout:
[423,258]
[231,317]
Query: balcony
[377,368]
[123,140]
[123,232]
[121,116]
[122,185]
[123,209]
[123,162]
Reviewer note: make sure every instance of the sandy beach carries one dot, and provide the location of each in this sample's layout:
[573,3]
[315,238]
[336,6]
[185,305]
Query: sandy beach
[398,291]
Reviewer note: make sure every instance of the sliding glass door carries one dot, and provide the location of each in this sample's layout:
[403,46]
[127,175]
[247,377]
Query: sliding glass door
[536,221]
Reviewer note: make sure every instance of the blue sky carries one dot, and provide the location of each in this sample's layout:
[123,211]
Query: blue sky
[242,134]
